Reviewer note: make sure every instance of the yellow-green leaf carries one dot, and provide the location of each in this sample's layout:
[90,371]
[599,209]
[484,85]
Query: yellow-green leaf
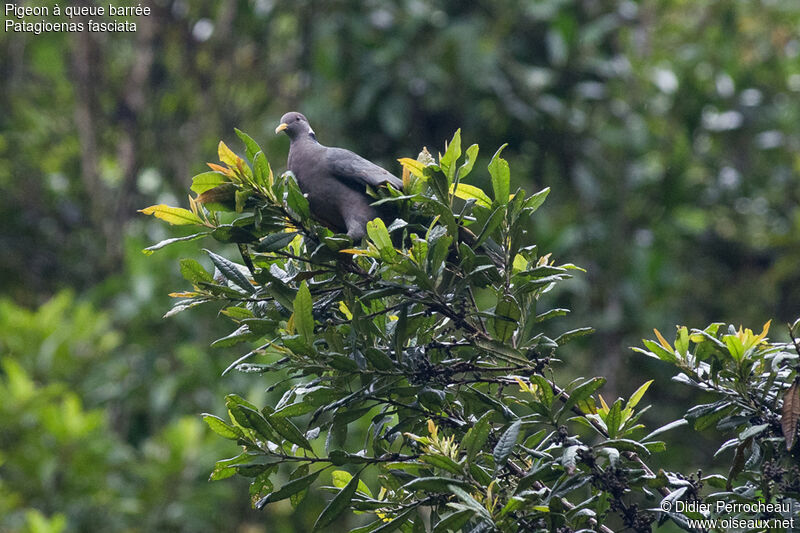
[467,192]
[379,235]
[413,166]
[227,156]
[174,215]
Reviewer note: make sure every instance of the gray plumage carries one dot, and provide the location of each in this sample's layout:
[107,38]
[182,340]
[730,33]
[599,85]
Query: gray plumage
[334,180]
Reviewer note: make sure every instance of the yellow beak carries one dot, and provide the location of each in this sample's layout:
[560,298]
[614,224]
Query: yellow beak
[280,128]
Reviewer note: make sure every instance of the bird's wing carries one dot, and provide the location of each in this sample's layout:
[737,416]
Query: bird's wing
[354,169]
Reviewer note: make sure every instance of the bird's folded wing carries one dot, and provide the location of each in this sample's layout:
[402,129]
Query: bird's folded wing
[354,169]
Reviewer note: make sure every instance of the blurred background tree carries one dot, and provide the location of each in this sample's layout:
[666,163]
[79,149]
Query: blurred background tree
[669,132]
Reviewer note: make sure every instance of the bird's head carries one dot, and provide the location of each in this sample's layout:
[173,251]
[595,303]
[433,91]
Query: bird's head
[295,125]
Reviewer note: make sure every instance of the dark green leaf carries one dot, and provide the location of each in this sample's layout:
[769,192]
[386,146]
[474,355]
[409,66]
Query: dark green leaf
[505,445]
[454,521]
[434,484]
[275,241]
[251,147]
[477,435]
[564,338]
[337,506]
[506,318]
[442,462]
[231,272]
[286,429]
[580,393]
[614,419]
[290,488]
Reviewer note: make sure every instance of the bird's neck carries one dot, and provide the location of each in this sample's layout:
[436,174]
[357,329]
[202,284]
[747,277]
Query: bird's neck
[304,139]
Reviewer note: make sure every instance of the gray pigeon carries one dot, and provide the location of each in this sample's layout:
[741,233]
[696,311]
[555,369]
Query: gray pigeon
[334,180]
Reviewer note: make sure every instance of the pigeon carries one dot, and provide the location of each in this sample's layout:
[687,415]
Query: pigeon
[334,180]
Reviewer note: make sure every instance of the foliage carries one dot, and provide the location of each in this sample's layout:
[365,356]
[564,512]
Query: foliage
[437,342]
[432,331]
[756,386]
[668,131]
[65,461]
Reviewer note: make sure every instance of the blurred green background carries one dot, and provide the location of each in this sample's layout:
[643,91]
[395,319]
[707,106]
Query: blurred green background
[668,130]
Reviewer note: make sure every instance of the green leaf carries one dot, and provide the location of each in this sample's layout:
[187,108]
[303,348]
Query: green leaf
[193,272]
[286,429]
[303,318]
[434,484]
[337,505]
[627,445]
[251,147]
[569,459]
[454,521]
[176,216]
[505,445]
[506,318]
[564,338]
[296,201]
[290,488]
[261,485]
[263,172]
[222,428]
[226,468]
[275,241]
[166,242]
[378,359]
[301,471]
[636,397]
[659,351]
[470,192]
[534,201]
[237,313]
[241,197]
[441,462]
[378,234]
[677,423]
[580,393]
[501,177]
[451,155]
[469,161]
[341,478]
[231,272]
[257,422]
[706,421]
[294,409]
[206,181]
[228,233]
[471,502]
[752,431]
[241,334]
[477,436]
[492,223]
[502,351]
[613,419]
